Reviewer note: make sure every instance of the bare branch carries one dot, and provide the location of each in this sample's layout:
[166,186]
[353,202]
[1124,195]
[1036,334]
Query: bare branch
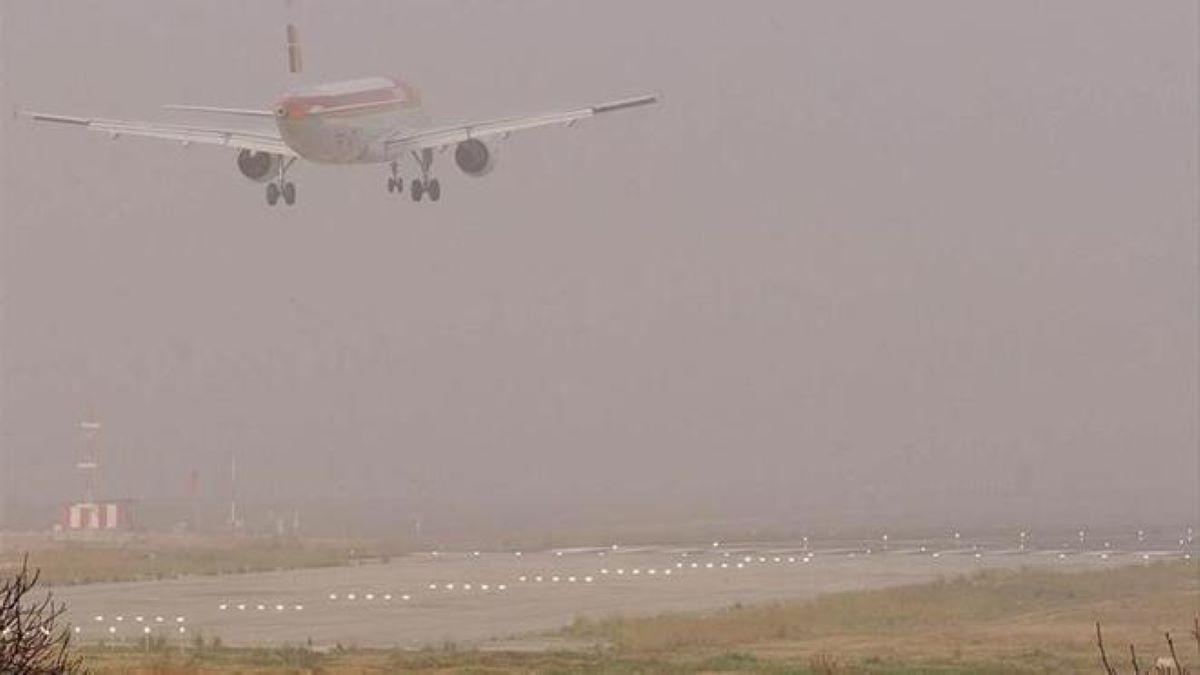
[1171,644]
[1196,631]
[1103,655]
[31,639]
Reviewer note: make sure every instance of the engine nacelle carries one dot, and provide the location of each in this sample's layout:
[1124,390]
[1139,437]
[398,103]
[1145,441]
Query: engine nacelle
[259,167]
[474,158]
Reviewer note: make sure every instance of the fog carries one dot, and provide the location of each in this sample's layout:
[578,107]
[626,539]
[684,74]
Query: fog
[867,263]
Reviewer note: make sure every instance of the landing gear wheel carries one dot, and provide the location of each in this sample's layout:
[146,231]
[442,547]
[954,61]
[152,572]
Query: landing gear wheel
[435,190]
[272,194]
[289,193]
[391,184]
[417,189]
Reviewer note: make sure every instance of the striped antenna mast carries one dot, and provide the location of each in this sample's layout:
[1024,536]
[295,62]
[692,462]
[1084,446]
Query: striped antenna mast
[88,463]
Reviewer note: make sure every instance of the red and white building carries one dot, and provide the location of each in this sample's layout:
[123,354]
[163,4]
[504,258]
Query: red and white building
[97,516]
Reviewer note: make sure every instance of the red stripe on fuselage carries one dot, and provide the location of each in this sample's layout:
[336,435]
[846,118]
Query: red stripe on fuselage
[300,104]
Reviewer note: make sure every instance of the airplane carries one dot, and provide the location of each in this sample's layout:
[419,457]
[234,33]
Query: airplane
[372,120]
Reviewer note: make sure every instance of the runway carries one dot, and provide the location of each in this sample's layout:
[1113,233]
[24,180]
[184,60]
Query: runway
[508,598]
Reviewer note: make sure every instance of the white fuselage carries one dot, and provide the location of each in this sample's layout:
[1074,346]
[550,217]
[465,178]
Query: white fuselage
[348,122]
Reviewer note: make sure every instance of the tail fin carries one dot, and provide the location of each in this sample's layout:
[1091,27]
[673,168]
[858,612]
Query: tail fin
[295,64]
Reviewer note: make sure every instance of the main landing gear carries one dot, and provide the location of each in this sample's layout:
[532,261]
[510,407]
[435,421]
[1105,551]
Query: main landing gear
[419,187]
[281,186]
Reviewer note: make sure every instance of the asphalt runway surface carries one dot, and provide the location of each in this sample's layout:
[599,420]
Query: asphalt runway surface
[506,599]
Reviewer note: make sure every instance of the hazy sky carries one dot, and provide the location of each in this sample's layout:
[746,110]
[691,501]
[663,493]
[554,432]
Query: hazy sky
[868,260]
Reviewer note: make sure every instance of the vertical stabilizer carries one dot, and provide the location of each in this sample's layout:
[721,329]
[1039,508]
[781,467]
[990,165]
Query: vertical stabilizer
[295,63]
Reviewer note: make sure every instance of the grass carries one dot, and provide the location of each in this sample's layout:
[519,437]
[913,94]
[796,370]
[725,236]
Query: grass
[1020,621]
[77,562]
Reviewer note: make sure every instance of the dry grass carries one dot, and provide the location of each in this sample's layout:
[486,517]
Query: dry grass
[83,562]
[1021,620]
[1031,621]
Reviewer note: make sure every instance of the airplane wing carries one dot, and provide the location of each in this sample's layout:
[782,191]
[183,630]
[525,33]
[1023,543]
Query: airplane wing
[242,112]
[443,136]
[241,139]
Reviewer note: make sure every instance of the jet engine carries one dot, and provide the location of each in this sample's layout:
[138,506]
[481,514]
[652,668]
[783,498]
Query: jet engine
[474,158]
[259,167]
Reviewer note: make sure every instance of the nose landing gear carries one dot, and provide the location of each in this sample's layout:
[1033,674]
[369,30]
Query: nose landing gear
[395,183]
